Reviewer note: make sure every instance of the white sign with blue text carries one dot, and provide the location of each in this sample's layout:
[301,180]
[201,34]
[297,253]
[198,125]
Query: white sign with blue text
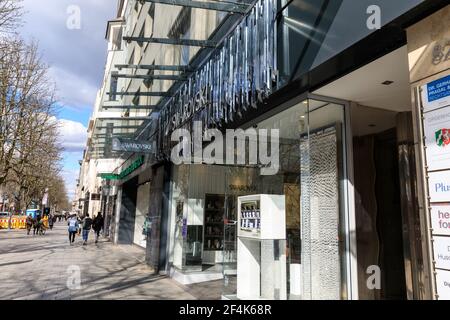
[436,94]
[441,246]
[443,284]
[439,186]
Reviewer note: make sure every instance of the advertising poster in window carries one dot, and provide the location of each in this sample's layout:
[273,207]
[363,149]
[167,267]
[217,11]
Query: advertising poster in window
[437,139]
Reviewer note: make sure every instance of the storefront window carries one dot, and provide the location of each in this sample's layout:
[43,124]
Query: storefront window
[310,260]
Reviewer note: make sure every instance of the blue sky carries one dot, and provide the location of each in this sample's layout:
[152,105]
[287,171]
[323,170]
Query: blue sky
[76,58]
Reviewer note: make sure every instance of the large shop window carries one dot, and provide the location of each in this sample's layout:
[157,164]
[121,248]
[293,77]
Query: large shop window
[270,236]
[305,199]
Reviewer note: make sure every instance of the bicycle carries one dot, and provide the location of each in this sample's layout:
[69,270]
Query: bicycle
[41,230]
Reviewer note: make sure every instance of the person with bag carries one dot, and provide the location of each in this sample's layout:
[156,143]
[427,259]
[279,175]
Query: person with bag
[87,224]
[73,228]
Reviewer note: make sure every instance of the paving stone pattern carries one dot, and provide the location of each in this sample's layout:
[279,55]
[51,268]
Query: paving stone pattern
[46,268]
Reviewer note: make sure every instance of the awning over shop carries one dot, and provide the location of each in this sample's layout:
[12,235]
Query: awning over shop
[139,127]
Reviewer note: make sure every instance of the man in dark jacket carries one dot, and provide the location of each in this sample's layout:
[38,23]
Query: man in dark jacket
[87,225]
[98,225]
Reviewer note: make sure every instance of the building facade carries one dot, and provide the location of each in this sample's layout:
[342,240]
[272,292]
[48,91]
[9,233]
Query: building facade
[292,149]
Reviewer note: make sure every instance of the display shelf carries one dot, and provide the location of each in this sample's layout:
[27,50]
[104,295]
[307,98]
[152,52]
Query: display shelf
[214,222]
[261,256]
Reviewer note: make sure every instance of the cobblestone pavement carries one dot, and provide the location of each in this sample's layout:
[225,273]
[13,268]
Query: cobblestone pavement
[47,267]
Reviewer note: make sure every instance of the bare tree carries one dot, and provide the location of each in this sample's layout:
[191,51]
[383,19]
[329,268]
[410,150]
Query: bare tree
[30,154]
[10,15]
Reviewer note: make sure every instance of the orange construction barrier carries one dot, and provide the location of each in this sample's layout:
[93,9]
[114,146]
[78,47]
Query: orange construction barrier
[18,222]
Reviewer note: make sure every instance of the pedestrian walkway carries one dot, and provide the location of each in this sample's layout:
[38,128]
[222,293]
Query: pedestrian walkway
[48,268]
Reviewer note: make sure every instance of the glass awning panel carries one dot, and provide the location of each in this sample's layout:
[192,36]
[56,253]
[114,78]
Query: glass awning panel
[229,14]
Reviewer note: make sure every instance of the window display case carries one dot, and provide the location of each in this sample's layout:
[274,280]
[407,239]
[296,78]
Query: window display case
[214,223]
[261,265]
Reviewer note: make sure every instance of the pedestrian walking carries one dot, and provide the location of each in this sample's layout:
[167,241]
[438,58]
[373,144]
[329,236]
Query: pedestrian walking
[72,222]
[98,225]
[29,224]
[87,225]
[50,221]
[36,224]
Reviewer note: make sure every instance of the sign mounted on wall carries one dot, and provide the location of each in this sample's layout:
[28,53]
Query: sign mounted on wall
[442,252]
[436,94]
[439,186]
[443,284]
[126,172]
[437,139]
[440,219]
[130,145]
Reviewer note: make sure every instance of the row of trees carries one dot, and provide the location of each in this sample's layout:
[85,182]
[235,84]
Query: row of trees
[30,153]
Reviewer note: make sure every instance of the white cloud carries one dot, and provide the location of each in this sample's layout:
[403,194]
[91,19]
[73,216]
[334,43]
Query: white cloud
[73,135]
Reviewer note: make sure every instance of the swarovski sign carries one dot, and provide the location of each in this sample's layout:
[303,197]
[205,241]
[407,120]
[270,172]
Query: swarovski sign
[130,145]
[235,78]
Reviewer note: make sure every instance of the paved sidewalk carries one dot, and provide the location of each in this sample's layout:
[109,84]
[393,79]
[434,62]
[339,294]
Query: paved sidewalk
[46,268]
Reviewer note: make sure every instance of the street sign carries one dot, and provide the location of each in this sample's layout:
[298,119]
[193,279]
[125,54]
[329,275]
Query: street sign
[130,145]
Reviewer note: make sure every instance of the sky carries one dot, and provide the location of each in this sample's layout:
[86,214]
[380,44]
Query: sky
[71,39]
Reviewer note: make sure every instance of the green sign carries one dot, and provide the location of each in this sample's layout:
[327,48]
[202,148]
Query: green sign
[129,170]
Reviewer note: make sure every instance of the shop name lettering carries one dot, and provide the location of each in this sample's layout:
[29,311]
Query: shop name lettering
[189,149]
[238,76]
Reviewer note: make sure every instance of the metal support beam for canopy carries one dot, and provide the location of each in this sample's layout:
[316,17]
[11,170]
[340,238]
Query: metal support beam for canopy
[125,119]
[120,127]
[151,77]
[154,67]
[143,94]
[181,42]
[232,7]
[150,107]
[106,135]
